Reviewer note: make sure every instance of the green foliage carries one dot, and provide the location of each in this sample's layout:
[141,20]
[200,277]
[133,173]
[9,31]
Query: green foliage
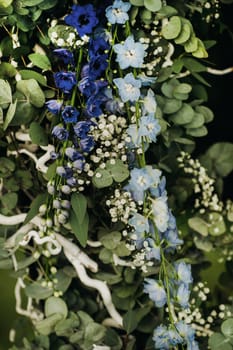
[224,340]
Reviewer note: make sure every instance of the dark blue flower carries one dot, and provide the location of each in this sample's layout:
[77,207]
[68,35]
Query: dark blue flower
[82,128]
[65,172]
[70,114]
[87,144]
[98,65]
[54,106]
[65,55]
[94,104]
[60,132]
[72,154]
[98,47]
[83,18]
[79,163]
[89,87]
[65,81]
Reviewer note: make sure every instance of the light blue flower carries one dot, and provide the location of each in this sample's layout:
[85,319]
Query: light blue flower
[128,87]
[182,296]
[184,272]
[140,224]
[130,54]
[166,339]
[149,103]
[160,213]
[149,127]
[188,333]
[117,12]
[153,250]
[156,292]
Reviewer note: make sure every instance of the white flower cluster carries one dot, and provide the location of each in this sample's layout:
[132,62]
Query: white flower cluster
[121,205]
[202,184]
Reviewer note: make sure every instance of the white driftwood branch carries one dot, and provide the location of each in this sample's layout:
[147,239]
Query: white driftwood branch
[219,71]
[121,262]
[12,220]
[53,246]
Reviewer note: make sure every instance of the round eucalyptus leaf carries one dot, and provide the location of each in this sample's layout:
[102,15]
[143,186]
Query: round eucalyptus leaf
[182,88]
[31,89]
[167,87]
[102,178]
[192,44]
[199,225]
[197,132]
[200,52]
[197,122]
[186,31]
[183,116]
[172,29]
[54,305]
[206,112]
[217,341]
[137,2]
[227,327]
[47,325]
[38,134]
[153,5]
[171,105]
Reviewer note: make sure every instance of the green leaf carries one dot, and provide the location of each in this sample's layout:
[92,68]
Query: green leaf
[9,115]
[47,4]
[153,5]
[108,277]
[202,244]
[172,105]
[183,116]
[80,229]
[5,3]
[227,327]
[54,305]
[38,134]
[111,240]
[199,132]
[7,70]
[5,95]
[172,29]
[217,225]
[186,31]
[197,122]
[137,2]
[63,280]
[40,61]
[217,341]
[198,225]
[192,44]
[6,167]
[184,141]
[32,2]
[130,322]
[193,65]
[79,205]
[206,112]
[47,325]
[35,205]
[182,88]
[31,89]
[200,52]
[102,178]
[9,200]
[24,110]
[94,332]
[221,156]
[30,74]
[37,291]
[117,169]
[112,339]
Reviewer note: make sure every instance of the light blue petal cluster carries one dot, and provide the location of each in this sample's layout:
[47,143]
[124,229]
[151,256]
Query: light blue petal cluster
[140,224]
[130,54]
[156,292]
[117,12]
[128,87]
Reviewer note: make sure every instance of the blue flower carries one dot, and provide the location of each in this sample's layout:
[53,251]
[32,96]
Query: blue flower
[83,18]
[166,339]
[160,213]
[140,224]
[156,292]
[60,132]
[97,66]
[70,114]
[72,154]
[182,295]
[94,104]
[54,106]
[149,127]
[87,144]
[79,162]
[130,54]
[153,250]
[149,103]
[172,239]
[65,172]
[183,271]
[188,333]
[65,81]
[98,47]
[89,87]
[65,55]
[82,128]
[128,87]
[117,12]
